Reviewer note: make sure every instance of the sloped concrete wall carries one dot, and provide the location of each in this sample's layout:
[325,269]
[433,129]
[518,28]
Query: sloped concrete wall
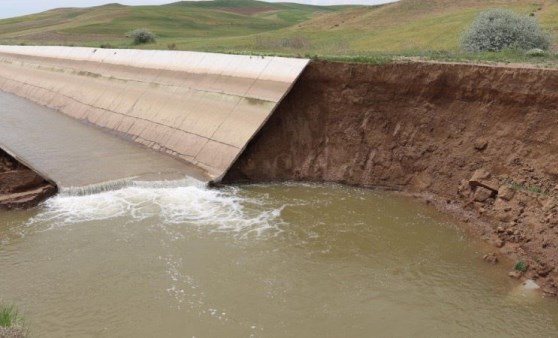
[200,107]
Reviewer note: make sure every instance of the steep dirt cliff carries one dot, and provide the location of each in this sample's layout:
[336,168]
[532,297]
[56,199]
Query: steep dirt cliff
[20,187]
[479,141]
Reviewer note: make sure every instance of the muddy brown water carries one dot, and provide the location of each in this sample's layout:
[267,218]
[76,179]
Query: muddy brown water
[80,159]
[288,260]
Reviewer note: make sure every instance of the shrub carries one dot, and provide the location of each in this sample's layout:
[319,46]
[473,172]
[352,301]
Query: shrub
[521,266]
[499,29]
[142,36]
[171,46]
[535,52]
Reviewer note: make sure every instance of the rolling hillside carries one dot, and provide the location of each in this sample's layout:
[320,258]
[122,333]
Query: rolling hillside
[176,21]
[251,26]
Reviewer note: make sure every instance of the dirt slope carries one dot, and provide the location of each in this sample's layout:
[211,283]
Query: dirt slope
[21,188]
[479,141]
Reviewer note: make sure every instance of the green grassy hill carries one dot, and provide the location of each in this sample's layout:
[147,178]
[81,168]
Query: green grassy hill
[177,22]
[406,27]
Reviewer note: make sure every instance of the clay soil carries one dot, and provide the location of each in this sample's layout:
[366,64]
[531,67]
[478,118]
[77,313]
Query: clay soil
[479,142]
[20,187]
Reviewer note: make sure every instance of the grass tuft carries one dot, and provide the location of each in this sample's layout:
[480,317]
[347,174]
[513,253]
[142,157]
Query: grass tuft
[11,322]
[521,266]
[9,316]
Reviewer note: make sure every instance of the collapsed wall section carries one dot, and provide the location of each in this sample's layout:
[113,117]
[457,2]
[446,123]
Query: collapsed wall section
[478,141]
[200,107]
[397,124]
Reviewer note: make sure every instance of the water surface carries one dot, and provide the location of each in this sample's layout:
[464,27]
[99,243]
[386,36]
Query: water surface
[77,157]
[256,261]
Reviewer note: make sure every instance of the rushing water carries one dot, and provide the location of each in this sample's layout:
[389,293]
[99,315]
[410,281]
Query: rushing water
[261,261]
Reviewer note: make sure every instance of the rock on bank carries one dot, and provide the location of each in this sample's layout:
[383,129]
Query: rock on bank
[481,140]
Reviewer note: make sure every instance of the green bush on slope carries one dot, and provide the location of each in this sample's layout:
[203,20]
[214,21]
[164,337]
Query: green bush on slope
[142,36]
[499,29]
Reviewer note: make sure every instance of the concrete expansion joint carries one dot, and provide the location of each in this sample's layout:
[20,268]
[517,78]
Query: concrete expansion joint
[122,114]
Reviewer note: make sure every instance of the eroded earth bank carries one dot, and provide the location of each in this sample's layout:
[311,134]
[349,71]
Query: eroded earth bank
[20,187]
[480,142]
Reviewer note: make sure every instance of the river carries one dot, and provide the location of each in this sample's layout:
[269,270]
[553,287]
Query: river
[282,260]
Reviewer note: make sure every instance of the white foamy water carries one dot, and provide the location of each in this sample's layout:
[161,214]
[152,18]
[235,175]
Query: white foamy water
[177,202]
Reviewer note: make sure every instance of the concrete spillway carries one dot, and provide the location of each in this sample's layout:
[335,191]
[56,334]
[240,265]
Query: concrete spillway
[78,158]
[199,107]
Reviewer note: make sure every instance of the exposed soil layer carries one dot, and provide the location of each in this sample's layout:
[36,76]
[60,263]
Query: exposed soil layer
[478,141]
[20,187]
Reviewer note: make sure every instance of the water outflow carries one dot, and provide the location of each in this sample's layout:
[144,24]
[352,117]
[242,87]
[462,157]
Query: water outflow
[173,202]
[82,159]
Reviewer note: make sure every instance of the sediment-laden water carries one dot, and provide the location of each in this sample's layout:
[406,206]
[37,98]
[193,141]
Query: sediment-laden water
[78,158]
[256,261]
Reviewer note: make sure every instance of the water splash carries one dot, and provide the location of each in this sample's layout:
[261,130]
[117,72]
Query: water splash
[187,202]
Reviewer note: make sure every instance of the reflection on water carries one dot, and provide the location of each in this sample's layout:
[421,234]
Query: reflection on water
[262,261]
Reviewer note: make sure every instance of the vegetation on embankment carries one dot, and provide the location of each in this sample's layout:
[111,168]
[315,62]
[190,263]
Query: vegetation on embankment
[477,141]
[429,29]
[11,322]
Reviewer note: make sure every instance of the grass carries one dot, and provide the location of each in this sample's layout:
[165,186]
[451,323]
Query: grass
[9,316]
[424,29]
[521,266]
[11,322]
[505,57]
[173,23]
[528,188]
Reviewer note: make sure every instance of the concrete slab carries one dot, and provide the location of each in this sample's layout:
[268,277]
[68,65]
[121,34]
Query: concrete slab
[201,107]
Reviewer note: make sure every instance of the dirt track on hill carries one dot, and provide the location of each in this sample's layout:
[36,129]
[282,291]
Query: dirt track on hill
[480,142]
